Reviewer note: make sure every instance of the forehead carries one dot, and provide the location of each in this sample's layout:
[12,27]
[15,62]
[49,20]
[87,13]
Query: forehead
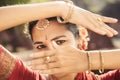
[53,30]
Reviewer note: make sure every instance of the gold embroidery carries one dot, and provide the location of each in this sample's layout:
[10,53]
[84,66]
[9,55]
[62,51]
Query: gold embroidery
[7,63]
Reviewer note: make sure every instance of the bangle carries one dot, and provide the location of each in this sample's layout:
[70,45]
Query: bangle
[89,62]
[101,70]
[70,4]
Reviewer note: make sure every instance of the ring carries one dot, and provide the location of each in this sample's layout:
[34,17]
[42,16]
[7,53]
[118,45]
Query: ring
[47,59]
[99,19]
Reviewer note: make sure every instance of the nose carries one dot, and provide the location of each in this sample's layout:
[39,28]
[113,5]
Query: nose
[52,46]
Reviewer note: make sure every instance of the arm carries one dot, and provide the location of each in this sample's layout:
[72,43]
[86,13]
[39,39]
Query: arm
[111,61]
[21,72]
[71,57]
[19,14]
[12,68]
[7,63]
[110,58]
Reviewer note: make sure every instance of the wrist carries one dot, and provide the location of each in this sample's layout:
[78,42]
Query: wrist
[64,8]
[94,60]
[83,64]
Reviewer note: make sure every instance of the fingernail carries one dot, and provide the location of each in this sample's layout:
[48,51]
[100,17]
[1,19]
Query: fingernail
[116,32]
[116,20]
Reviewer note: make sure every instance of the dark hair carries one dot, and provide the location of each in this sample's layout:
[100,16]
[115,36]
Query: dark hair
[72,27]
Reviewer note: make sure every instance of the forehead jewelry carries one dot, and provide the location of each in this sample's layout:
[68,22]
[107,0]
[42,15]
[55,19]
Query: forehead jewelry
[42,25]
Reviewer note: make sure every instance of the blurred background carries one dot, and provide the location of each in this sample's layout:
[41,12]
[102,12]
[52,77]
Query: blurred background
[15,40]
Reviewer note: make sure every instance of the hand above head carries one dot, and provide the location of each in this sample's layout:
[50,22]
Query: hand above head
[62,60]
[92,21]
[79,16]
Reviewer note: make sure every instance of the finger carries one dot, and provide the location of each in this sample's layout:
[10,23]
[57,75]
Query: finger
[39,67]
[103,27]
[111,30]
[108,33]
[96,29]
[40,61]
[53,71]
[96,26]
[107,19]
[43,54]
[59,70]
[91,26]
[54,65]
[53,59]
[36,61]
[46,66]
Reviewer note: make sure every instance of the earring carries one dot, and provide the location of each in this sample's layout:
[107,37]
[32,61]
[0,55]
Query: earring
[80,46]
[87,38]
[42,24]
[84,47]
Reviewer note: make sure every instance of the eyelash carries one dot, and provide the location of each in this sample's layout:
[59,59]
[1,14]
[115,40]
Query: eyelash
[41,46]
[61,42]
[58,42]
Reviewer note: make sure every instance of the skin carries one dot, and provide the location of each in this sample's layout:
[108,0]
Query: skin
[57,36]
[80,17]
[31,12]
[66,58]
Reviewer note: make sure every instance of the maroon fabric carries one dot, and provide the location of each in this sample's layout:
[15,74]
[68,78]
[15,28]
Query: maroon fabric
[21,72]
[111,75]
[85,76]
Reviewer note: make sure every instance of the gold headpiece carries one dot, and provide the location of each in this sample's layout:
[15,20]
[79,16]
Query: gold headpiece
[42,24]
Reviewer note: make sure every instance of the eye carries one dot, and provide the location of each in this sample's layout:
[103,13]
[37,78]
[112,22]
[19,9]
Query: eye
[41,46]
[60,42]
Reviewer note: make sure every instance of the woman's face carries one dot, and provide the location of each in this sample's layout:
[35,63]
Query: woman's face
[55,35]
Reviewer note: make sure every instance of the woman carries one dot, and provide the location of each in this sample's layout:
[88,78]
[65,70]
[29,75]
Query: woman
[56,35]
[50,37]
[17,69]
[44,39]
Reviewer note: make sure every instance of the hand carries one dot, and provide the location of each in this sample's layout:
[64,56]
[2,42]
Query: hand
[62,60]
[92,21]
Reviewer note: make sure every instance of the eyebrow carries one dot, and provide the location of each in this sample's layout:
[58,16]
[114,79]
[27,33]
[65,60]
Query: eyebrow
[39,42]
[58,37]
